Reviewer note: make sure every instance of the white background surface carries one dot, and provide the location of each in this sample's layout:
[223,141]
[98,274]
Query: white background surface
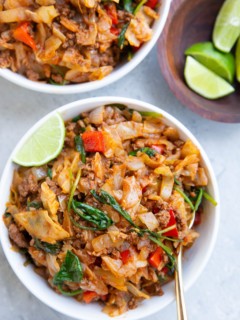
[216,295]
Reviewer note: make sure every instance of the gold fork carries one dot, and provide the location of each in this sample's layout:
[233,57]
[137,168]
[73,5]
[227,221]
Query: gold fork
[181,306]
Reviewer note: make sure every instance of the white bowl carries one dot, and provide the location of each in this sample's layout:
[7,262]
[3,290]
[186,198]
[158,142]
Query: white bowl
[120,71]
[195,258]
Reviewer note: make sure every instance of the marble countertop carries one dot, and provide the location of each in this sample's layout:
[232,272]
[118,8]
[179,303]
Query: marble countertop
[215,296]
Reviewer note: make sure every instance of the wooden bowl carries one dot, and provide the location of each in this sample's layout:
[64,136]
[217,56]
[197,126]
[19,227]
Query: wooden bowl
[189,22]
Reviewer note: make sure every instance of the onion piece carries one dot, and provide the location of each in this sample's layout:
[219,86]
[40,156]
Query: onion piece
[149,220]
[136,292]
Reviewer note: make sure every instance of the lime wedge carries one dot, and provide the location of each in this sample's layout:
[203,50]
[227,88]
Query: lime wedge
[227,26]
[43,145]
[238,60]
[205,82]
[223,64]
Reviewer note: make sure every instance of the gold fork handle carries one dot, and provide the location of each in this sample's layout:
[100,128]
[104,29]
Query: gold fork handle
[181,307]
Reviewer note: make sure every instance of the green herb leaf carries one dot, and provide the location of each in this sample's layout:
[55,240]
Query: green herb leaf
[34,204]
[75,119]
[186,198]
[121,37]
[47,247]
[80,148]
[138,7]
[74,186]
[69,293]
[49,173]
[127,4]
[199,199]
[106,198]
[208,197]
[150,114]
[82,227]
[71,270]
[176,181]
[149,151]
[92,215]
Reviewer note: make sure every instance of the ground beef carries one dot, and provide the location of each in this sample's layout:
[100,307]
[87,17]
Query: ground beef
[16,235]
[28,185]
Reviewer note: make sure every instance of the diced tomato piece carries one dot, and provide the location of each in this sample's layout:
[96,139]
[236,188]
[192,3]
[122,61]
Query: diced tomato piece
[151,3]
[93,141]
[198,218]
[144,189]
[172,221]
[159,148]
[88,296]
[115,31]
[125,256]
[112,12]
[21,33]
[155,257]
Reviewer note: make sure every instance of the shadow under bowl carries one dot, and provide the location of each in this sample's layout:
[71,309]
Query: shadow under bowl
[190,22]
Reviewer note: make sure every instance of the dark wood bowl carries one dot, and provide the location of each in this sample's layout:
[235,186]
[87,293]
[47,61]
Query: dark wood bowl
[189,22]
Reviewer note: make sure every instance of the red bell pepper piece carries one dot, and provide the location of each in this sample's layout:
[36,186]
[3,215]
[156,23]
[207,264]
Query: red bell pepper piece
[155,257]
[115,31]
[21,33]
[172,221]
[125,256]
[88,296]
[112,12]
[93,141]
[158,148]
[165,270]
[151,3]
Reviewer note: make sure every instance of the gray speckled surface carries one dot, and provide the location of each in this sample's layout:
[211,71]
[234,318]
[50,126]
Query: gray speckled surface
[215,296]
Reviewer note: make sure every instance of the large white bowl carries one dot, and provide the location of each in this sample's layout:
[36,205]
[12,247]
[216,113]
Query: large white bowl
[195,258]
[120,71]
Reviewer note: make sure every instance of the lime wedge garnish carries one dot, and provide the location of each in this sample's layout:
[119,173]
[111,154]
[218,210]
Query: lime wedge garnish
[238,60]
[43,145]
[227,26]
[223,64]
[205,82]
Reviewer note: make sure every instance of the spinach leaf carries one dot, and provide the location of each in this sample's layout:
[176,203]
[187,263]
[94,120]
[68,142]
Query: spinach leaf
[149,151]
[92,215]
[71,270]
[80,148]
[106,198]
[47,247]
[121,37]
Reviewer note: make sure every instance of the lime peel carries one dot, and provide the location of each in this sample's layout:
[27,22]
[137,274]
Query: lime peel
[227,26]
[205,82]
[223,64]
[44,144]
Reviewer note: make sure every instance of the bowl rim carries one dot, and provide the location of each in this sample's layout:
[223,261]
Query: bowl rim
[117,73]
[91,102]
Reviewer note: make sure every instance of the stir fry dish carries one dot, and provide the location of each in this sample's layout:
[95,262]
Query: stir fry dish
[74,41]
[104,220]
